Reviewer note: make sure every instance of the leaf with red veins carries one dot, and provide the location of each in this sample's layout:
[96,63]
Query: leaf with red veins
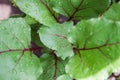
[15,59]
[97,48]
[53,66]
[78,9]
[55,38]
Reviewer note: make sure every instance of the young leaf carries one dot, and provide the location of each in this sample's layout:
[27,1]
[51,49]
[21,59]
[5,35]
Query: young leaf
[80,9]
[97,49]
[55,38]
[15,60]
[38,10]
[52,67]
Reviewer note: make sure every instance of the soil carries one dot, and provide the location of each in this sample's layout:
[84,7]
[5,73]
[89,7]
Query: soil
[7,9]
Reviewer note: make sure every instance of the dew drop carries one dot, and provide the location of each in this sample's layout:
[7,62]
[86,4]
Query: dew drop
[27,5]
[70,39]
[108,49]
[86,70]
[91,33]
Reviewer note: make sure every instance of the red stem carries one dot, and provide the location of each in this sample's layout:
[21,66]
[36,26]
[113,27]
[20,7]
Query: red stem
[49,10]
[55,65]
[76,9]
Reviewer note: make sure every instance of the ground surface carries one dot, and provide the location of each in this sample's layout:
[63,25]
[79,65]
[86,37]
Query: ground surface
[6,9]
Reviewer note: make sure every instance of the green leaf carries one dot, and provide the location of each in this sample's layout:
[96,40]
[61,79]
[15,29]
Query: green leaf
[37,10]
[55,38]
[15,60]
[36,39]
[78,9]
[114,12]
[64,77]
[52,67]
[30,20]
[97,49]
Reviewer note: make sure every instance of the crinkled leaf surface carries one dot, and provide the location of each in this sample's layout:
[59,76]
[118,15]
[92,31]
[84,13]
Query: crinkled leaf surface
[64,77]
[98,49]
[52,67]
[80,9]
[14,39]
[55,38]
[114,12]
[37,10]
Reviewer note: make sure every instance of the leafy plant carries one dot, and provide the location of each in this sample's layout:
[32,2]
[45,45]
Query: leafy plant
[61,40]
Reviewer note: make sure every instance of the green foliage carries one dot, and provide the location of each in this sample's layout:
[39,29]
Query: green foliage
[98,47]
[113,13]
[52,67]
[76,9]
[14,40]
[55,38]
[61,40]
[37,10]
